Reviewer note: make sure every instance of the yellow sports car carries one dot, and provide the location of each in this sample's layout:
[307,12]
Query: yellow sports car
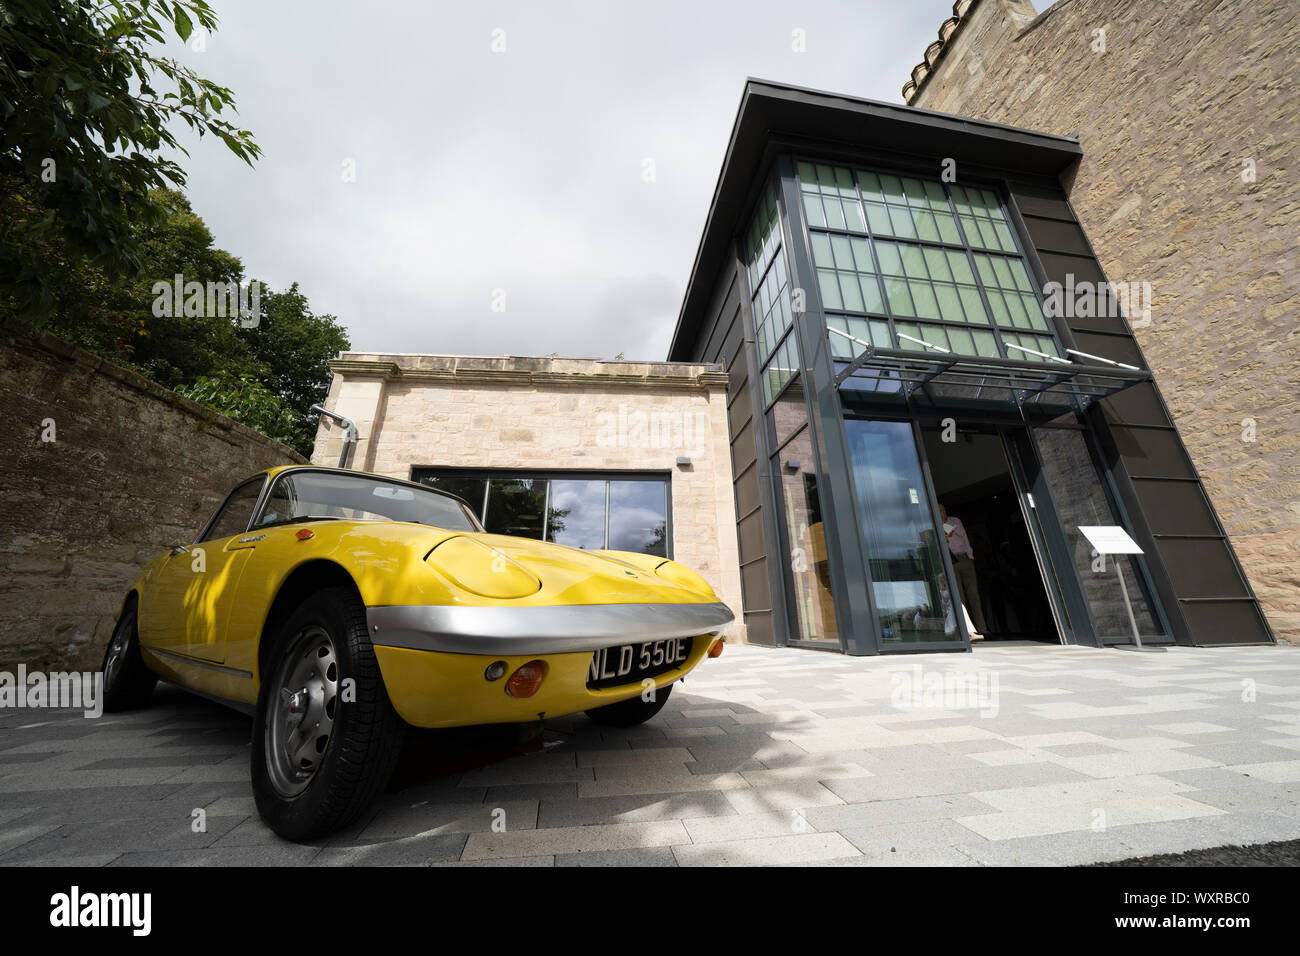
[335,605]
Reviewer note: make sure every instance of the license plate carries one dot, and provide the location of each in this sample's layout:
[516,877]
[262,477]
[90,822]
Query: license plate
[631,663]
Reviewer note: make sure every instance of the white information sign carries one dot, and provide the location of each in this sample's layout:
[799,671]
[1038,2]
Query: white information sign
[1110,539]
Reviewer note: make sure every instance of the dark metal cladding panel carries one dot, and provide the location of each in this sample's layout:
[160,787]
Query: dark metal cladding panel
[1187,550]
[721,341]
[742,450]
[1174,507]
[1225,622]
[759,624]
[1117,348]
[1201,566]
[1139,405]
[1056,236]
[750,529]
[747,492]
[1152,452]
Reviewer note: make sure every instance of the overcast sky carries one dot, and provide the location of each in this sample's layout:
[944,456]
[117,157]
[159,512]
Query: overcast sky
[522,170]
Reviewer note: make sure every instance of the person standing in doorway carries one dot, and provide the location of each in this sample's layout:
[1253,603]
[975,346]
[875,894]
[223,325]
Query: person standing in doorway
[963,563]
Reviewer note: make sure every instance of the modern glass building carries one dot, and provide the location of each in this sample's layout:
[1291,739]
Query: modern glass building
[920,420]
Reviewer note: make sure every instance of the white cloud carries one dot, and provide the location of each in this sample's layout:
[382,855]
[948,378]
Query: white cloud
[520,170]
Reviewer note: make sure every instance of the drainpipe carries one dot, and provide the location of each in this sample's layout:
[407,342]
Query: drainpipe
[349,437]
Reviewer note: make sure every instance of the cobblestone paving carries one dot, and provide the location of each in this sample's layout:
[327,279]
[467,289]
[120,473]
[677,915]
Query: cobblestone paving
[1010,755]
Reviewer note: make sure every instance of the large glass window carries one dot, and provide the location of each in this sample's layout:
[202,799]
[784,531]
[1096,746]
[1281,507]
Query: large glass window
[770,304]
[806,541]
[577,513]
[917,264]
[908,581]
[582,511]
[517,506]
[638,516]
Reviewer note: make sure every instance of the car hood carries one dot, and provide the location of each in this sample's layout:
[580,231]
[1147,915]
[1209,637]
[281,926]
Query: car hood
[566,575]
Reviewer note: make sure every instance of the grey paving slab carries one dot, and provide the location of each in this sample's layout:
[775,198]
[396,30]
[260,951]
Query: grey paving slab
[767,851]
[279,854]
[404,851]
[910,810]
[146,834]
[775,757]
[641,856]
[612,836]
[639,808]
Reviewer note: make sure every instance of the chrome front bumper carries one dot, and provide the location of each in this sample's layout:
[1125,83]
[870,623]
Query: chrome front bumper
[547,629]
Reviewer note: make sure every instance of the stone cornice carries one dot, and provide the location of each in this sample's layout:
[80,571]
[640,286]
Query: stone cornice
[456,370]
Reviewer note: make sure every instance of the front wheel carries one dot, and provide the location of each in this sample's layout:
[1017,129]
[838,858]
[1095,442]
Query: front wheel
[631,712]
[127,681]
[326,736]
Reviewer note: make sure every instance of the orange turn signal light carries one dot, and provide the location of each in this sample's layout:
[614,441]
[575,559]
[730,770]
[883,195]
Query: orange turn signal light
[304,534]
[527,679]
[716,649]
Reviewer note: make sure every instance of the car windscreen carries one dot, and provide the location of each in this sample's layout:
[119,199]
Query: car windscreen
[304,495]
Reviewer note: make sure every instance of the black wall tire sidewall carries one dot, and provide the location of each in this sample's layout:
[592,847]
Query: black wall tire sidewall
[134,682]
[366,737]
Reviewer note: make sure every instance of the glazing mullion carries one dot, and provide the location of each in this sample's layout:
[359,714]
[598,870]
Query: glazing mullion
[975,273]
[875,263]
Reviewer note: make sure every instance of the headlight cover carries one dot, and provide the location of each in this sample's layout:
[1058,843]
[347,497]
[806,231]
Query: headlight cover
[684,577]
[483,570]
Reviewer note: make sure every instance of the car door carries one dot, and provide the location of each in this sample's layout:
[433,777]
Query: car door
[195,588]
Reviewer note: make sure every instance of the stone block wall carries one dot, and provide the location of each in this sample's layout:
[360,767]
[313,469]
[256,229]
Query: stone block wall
[100,470]
[1189,117]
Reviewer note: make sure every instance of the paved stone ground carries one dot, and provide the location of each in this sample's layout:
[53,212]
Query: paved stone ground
[1038,755]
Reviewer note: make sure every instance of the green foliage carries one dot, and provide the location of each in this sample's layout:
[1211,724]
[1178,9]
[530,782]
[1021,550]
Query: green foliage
[248,402]
[90,221]
[292,348]
[85,108]
[112,315]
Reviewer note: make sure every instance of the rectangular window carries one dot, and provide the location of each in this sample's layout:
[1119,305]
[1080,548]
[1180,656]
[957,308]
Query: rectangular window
[587,511]
[900,258]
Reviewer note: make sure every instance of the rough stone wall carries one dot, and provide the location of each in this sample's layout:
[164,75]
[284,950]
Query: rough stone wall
[551,414]
[133,469]
[1184,93]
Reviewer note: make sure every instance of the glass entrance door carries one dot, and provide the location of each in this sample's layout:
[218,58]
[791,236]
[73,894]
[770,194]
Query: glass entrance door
[910,573]
[1078,496]
[1004,581]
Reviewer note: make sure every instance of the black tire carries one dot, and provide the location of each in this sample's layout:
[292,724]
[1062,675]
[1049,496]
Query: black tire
[631,712]
[309,781]
[128,683]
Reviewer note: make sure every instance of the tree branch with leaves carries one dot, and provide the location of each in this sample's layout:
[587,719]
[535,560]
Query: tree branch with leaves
[85,109]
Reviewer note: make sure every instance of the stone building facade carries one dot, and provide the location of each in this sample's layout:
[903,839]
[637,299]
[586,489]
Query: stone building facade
[1187,112]
[420,414]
